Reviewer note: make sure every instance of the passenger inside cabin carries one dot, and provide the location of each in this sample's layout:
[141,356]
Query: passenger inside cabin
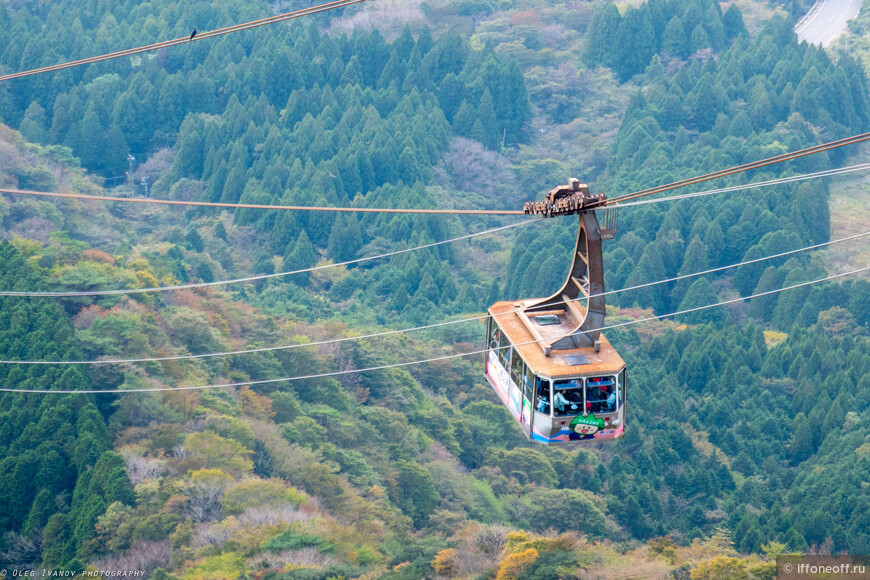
[493,342]
[542,403]
[568,397]
[559,402]
[602,398]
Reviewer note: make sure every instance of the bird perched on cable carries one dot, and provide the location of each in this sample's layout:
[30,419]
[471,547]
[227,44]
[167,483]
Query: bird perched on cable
[192,34]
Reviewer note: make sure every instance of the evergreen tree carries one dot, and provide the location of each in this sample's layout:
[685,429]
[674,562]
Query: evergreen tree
[194,240]
[345,240]
[299,256]
[802,440]
[464,119]
[704,108]
[33,127]
[732,22]
[695,260]
[602,34]
[412,489]
[635,43]
[701,293]
[763,306]
[488,124]
[674,41]
[89,139]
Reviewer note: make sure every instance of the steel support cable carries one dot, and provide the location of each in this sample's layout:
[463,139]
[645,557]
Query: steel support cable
[428,326]
[126,291]
[424,361]
[610,202]
[148,200]
[741,168]
[184,40]
[746,167]
[780,181]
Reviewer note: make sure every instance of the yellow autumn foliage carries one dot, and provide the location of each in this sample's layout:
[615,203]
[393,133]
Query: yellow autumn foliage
[523,541]
[445,562]
[721,568]
[515,564]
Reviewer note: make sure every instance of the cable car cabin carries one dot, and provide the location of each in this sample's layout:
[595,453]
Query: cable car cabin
[571,395]
[546,358]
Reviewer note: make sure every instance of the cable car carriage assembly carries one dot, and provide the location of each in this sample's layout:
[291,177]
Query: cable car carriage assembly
[546,358]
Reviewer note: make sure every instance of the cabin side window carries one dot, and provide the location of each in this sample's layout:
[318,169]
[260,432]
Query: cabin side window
[499,343]
[518,369]
[494,334]
[601,394]
[542,395]
[504,350]
[567,397]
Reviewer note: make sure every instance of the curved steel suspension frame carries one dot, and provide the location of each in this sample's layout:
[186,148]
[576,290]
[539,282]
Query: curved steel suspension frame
[585,283]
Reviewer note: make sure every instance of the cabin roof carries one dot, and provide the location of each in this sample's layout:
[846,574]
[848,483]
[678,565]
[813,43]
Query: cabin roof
[607,360]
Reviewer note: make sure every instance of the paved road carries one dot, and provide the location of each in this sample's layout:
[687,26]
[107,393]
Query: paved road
[827,20]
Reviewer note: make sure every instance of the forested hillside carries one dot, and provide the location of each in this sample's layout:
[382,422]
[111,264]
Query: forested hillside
[748,426]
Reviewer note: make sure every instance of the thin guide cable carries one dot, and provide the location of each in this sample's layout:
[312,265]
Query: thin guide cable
[795,178]
[124,291]
[424,361]
[428,326]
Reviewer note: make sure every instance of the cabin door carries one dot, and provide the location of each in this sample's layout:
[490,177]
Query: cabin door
[526,410]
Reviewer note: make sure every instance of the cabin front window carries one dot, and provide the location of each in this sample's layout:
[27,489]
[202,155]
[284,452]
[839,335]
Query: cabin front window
[601,394]
[567,397]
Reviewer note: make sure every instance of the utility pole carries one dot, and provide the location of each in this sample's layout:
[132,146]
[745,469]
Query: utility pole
[145,183]
[130,159]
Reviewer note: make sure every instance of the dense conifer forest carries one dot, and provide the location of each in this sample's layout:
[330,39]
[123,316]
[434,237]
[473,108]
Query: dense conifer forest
[748,426]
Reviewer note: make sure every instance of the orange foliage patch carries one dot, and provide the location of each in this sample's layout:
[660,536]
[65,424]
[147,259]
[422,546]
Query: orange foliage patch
[94,255]
[255,405]
[86,316]
[526,17]
[635,312]
[185,298]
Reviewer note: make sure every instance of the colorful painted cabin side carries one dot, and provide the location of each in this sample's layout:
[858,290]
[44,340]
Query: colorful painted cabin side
[572,395]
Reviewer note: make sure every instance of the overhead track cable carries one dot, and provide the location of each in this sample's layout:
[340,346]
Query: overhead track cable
[424,361]
[184,40]
[612,201]
[741,168]
[149,200]
[126,291]
[425,327]
[772,182]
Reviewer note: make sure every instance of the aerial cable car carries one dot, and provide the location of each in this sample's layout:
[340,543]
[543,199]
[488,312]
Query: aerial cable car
[547,359]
